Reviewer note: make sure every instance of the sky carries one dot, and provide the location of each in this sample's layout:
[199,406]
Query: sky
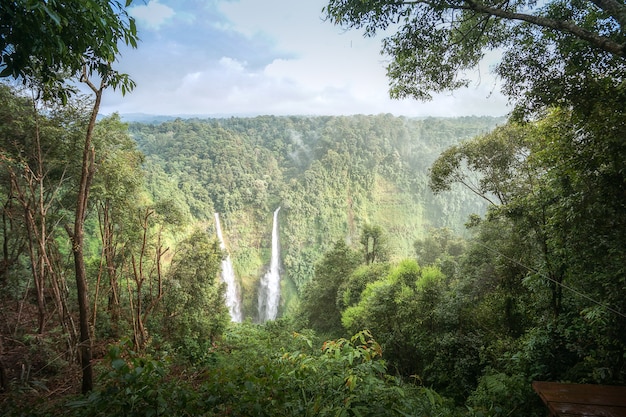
[271,57]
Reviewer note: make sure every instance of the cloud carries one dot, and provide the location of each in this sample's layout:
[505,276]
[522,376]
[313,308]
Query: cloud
[272,57]
[153,14]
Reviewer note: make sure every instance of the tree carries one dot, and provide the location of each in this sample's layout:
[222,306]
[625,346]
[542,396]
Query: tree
[438,246]
[36,177]
[493,166]
[387,307]
[556,230]
[553,52]
[319,298]
[563,192]
[117,189]
[350,291]
[501,167]
[194,304]
[374,242]
[47,43]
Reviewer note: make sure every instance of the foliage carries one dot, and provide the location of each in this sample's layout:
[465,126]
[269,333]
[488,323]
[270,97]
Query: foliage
[46,43]
[346,377]
[553,211]
[383,307]
[319,298]
[195,312]
[441,248]
[554,53]
[504,395]
[374,243]
[489,165]
[349,292]
[136,385]
[36,181]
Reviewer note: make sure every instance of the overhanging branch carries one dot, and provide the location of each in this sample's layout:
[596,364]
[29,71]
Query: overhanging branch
[618,11]
[601,42]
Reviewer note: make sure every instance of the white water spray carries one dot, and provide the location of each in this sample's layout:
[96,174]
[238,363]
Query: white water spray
[228,276]
[269,291]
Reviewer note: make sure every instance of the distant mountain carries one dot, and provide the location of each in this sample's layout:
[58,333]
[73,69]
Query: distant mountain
[160,118]
[146,118]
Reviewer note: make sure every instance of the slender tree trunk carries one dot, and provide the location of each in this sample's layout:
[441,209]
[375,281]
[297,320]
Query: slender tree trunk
[77,237]
[37,266]
[35,255]
[9,256]
[109,252]
[140,335]
[154,291]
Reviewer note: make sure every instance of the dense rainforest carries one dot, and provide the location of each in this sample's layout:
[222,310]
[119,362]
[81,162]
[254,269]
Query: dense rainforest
[330,175]
[429,267]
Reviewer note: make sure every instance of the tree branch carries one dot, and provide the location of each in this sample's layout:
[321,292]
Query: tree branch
[615,9]
[601,42]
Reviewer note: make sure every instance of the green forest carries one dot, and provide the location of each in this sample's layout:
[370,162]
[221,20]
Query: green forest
[429,266]
[331,176]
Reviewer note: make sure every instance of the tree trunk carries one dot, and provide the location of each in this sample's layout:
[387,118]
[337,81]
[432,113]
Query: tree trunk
[109,253]
[77,237]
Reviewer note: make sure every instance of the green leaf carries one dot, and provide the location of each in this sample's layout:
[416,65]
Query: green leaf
[118,364]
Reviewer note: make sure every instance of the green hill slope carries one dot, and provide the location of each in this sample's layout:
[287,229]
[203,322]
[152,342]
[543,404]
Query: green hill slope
[330,175]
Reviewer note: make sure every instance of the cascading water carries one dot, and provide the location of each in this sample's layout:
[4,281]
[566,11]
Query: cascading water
[269,291]
[228,276]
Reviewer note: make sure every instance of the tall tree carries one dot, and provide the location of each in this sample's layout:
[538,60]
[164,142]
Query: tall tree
[35,160]
[374,243]
[194,304]
[47,43]
[562,199]
[117,189]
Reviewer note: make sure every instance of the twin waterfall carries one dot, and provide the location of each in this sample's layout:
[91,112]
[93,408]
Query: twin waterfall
[233,301]
[269,291]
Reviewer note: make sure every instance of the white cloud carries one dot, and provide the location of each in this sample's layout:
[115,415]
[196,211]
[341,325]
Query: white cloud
[273,57]
[230,64]
[342,69]
[153,14]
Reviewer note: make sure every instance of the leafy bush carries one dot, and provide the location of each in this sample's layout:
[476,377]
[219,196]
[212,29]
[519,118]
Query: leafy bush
[345,378]
[136,385]
[499,394]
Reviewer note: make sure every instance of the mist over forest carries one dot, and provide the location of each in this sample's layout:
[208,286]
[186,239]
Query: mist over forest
[330,175]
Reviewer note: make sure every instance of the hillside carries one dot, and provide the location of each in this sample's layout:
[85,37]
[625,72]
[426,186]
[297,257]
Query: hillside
[330,175]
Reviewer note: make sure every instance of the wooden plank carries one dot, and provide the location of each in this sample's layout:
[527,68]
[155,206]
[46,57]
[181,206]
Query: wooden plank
[570,409]
[582,399]
[582,393]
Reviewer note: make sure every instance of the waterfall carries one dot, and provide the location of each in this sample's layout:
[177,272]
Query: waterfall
[269,291]
[228,276]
